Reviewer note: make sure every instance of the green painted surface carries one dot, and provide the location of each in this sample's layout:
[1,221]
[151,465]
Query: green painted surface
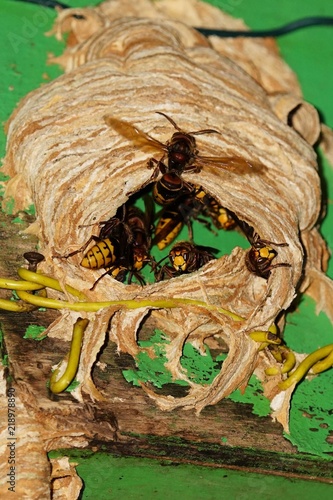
[309,52]
[34,332]
[129,478]
[199,368]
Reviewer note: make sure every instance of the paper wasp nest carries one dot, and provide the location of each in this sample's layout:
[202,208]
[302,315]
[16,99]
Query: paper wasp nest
[77,170]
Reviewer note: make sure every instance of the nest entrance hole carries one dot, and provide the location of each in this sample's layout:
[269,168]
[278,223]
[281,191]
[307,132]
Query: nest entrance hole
[185,220]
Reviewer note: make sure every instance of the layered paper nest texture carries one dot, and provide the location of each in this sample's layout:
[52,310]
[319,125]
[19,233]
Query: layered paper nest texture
[64,158]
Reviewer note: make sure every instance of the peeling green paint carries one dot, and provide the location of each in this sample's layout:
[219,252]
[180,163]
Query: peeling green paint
[35,332]
[311,422]
[3,178]
[9,206]
[199,368]
[14,295]
[72,386]
[253,395]
[315,330]
[17,220]
[152,369]
[31,210]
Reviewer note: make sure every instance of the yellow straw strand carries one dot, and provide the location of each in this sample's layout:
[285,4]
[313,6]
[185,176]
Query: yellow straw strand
[290,361]
[9,284]
[305,366]
[277,354]
[57,386]
[130,304]
[264,336]
[273,329]
[46,281]
[12,306]
[325,363]
[272,370]
[48,303]
[285,356]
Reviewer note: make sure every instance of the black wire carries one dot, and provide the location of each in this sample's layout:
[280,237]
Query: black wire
[273,32]
[48,3]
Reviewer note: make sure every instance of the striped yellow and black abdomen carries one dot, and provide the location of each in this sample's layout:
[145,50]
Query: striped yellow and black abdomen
[102,255]
[168,227]
[168,189]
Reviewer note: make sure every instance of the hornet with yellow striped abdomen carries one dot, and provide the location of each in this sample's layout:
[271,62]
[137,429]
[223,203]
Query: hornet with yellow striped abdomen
[180,154]
[122,247]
